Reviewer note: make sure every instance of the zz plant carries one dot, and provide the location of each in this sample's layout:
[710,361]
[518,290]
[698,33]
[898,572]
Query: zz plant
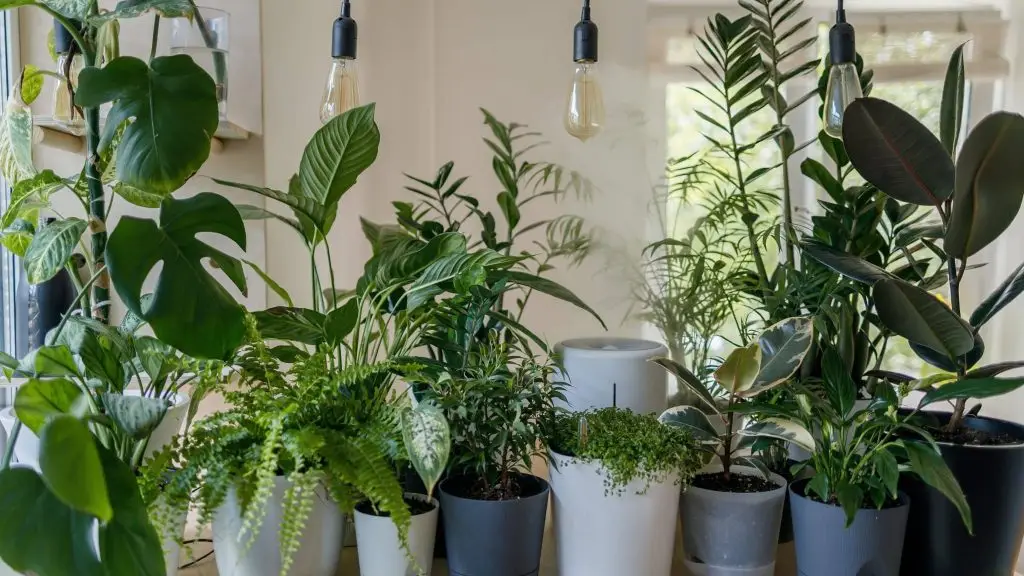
[975,194]
[747,372]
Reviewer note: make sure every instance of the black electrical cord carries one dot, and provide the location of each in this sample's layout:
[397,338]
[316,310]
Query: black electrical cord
[201,558]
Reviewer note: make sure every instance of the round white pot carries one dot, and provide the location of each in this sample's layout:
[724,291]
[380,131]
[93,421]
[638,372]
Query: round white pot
[381,553]
[602,533]
[601,372]
[170,531]
[319,552]
[27,448]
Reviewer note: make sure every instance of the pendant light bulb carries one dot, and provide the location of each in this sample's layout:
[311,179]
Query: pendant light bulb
[584,110]
[843,80]
[341,93]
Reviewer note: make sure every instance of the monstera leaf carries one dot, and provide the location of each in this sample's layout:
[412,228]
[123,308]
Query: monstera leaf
[189,310]
[172,113]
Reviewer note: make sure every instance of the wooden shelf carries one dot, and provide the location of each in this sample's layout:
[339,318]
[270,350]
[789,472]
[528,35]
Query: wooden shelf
[48,132]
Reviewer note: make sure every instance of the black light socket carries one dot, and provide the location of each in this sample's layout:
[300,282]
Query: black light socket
[842,41]
[346,34]
[63,41]
[584,44]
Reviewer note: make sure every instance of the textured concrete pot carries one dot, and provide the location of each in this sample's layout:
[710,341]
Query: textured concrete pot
[872,545]
[380,550]
[602,533]
[732,534]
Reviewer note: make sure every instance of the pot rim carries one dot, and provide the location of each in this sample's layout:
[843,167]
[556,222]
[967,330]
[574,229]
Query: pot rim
[575,460]
[595,347]
[904,500]
[546,489]
[410,495]
[781,485]
[995,447]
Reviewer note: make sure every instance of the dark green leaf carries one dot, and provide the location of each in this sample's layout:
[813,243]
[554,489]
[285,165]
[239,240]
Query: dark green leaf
[308,210]
[994,369]
[894,377]
[250,212]
[71,467]
[972,388]
[190,309]
[341,321]
[850,266]
[172,113]
[270,282]
[129,544]
[39,400]
[896,153]
[888,471]
[52,361]
[922,318]
[989,184]
[951,113]
[850,498]
[839,385]
[137,416]
[545,286]
[688,379]
[51,248]
[929,465]
[291,325]
[821,175]
[999,298]
[509,209]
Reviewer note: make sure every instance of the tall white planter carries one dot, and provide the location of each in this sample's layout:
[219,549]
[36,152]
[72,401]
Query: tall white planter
[27,448]
[381,552]
[170,531]
[610,533]
[600,371]
[319,551]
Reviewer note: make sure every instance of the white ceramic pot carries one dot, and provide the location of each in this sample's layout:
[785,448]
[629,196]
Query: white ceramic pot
[319,552]
[602,533]
[170,531]
[603,371]
[381,553]
[27,448]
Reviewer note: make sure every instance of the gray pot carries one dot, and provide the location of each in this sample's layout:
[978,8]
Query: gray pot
[494,537]
[871,546]
[726,533]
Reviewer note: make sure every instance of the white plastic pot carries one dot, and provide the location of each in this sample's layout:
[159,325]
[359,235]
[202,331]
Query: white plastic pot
[380,551]
[602,532]
[601,372]
[170,531]
[319,552]
[27,448]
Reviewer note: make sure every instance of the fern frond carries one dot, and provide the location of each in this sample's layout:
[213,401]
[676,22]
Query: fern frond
[266,471]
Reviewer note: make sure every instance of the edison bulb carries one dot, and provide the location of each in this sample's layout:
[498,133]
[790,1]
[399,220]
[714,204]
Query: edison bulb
[584,113]
[843,88]
[342,90]
[64,111]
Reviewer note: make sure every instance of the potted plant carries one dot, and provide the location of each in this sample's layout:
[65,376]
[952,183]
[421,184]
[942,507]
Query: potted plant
[737,499]
[381,549]
[615,483]
[499,402]
[974,199]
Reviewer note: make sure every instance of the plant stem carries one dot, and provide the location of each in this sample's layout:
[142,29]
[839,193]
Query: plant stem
[83,293]
[727,455]
[961,370]
[12,440]
[156,37]
[97,211]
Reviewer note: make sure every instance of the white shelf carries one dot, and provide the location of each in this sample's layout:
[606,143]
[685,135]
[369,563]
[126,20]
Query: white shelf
[48,132]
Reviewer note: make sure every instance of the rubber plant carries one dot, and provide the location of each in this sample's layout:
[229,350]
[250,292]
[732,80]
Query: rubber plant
[975,194]
[162,116]
[746,373]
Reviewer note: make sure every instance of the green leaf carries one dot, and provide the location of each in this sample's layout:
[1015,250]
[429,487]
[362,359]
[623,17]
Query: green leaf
[49,361]
[308,210]
[250,212]
[337,154]
[154,357]
[839,385]
[738,372]
[994,369]
[39,400]
[689,380]
[781,429]
[129,544]
[427,440]
[40,534]
[850,498]
[16,141]
[29,196]
[545,286]
[452,266]
[190,310]
[783,348]
[972,388]
[291,325]
[136,416]
[952,109]
[270,282]
[929,465]
[135,8]
[989,184]
[896,153]
[508,207]
[999,298]
[18,236]
[73,9]
[848,265]
[922,318]
[71,467]
[138,197]
[341,321]
[693,420]
[31,84]
[51,248]
[172,112]
[888,470]
[817,172]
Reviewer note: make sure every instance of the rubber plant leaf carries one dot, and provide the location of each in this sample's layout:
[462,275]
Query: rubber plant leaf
[922,318]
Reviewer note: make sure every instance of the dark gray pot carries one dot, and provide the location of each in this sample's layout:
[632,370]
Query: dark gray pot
[871,546]
[714,522]
[491,537]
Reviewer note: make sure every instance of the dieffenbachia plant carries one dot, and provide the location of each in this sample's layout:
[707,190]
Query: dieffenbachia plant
[747,372]
[428,441]
[975,199]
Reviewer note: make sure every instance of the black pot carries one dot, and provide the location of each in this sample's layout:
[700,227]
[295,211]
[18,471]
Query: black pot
[826,547]
[937,542]
[494,537]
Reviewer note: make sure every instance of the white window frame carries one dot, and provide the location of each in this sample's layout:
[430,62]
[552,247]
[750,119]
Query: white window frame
[10,67]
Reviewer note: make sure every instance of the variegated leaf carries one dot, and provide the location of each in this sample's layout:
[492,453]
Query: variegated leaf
[738,372]
[783,430]
[16,140]
[691,419]
[783,348]
[428,441]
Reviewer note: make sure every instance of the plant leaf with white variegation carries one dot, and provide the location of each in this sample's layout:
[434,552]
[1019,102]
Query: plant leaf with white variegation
[690,380]
[51,248]
[428,441]
[778,428]
[16,140]
[135,8]
[691,419]
[783,348]
[738,372]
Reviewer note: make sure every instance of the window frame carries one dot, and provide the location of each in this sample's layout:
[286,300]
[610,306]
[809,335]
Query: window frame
[10,277]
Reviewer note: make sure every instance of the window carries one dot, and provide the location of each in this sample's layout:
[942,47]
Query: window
[8,280]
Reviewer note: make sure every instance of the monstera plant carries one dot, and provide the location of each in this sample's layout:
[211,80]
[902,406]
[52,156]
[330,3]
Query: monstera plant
[82,511]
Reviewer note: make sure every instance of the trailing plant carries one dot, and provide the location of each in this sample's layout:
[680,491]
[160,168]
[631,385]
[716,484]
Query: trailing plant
[628,447]
[744,375]
[975,198]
